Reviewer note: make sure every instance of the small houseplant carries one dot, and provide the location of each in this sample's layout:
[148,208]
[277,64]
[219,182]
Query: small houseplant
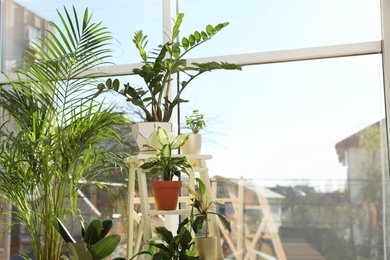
[194,143]
[168,166]
[98,244]
[167,246]
[159,69]
[202,208]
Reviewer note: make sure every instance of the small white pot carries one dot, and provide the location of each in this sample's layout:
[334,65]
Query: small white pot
[193,144]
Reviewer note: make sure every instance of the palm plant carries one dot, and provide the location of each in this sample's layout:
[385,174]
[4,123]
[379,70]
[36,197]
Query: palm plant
[59,129]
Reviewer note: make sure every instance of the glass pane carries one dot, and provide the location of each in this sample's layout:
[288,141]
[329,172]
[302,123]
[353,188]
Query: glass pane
[305,140]
[27,20]
[257,26]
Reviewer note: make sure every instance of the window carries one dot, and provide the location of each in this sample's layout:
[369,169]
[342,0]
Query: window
[306,138]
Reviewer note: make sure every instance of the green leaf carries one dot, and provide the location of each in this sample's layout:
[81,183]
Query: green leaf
[162,136]
[209,30]
[105,247]
[93,232]
[166,151]
[79,252]
[198,37]
[115,85]
[64,232]
[185,43]
[192,40]
[204,35]
[176,26]
[107,225]
[179,141]
[176,50]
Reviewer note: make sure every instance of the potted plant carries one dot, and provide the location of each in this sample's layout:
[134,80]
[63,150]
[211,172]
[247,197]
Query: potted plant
[202,207]
[168,167]
[167,246]
[98,244]
[194,143]
[160,66]
[53,131]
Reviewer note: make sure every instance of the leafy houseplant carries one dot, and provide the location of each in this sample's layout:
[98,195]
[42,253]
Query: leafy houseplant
[194,143]
[202,207]
[178,247]
[53,130]
[168,166]
[195,121]
[159,68]
[164,162]
[98,244]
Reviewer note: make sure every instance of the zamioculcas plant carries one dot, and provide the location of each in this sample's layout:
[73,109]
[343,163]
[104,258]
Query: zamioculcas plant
[159,69]
[54,131]
[97,244]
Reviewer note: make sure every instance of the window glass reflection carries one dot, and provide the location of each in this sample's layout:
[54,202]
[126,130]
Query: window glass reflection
[305,141]
[257,26]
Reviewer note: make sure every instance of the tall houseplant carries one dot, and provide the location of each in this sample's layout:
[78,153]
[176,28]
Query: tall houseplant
[160,66]
[59,129]
[168,166]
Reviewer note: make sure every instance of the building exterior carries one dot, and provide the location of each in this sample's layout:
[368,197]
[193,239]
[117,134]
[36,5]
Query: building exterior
[19,28]
[362,154]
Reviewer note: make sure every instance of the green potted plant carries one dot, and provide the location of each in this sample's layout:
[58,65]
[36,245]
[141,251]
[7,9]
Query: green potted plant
[194,143]
[202,207]
[168,166]
[160,68]
[169,247]
[53,131]
[98,244]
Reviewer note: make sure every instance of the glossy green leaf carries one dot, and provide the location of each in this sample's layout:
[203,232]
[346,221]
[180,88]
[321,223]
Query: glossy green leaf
[64,232]
[107,225]
[105,247]
[185,42]
[79,252]
[93,232]
[191,39]
[209,30]
[197,36]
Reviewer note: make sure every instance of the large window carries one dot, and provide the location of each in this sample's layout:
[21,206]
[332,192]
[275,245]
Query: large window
[305,138]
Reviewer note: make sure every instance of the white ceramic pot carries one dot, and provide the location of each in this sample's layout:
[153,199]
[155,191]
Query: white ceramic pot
[193,144]
[146,133]
[206,247]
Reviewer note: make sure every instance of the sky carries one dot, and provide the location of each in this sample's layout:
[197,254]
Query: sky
[276,122]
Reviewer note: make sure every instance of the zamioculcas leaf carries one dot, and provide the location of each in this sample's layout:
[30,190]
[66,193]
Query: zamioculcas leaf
[107,225]
[209,30]
[105,247]
[84,226]
[79,252]
[93,232]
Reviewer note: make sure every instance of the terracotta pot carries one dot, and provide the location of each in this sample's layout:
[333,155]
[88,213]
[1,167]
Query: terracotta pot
[166,194]
[193,144]
[146,133]
[206,247]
